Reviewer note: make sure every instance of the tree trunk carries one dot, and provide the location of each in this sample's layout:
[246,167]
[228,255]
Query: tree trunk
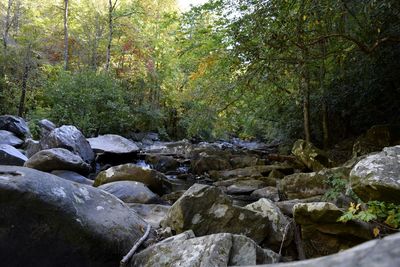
[111,7]
[7,26]
[325,124]
[66,42]
[306,111]
[21,109]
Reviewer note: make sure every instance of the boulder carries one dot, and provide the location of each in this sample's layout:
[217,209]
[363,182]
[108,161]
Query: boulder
[375,253]
[46,127]
[70,138]
[8,138]
[162,163]
[57,159]
[48,221]
[254,171]
[131,172]
[151,213]
[269,192]
[206,210]
[73,177]
[31,147]
[321,233]
[111,143]
[15,125]
[131,192]
[213,250]
[305,185]
[9,155]
[315,159]
[208,163]
[245,161]
[282,230]
[376,177]
[245,186]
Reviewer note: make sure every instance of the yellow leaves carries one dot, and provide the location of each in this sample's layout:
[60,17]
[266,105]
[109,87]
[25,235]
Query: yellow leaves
[205,64]
[304,17]
[354,208]
[376,231]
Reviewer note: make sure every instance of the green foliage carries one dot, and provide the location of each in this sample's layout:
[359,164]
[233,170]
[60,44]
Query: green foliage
[337,186]
[379,211]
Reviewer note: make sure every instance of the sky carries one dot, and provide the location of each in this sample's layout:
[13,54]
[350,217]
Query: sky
[184,5]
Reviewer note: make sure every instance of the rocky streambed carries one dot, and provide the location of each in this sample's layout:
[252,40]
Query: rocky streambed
[71,201]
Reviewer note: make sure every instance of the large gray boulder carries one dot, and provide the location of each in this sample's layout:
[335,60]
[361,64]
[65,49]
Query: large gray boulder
[207,251]
[9,138]
[48,221]
[70,138]
[46,127]
[57,159]
[111,143]
[375,253]
[9,155]
[72,176]
[131,192]
[16,125]
[206,210]
[151,213]
[376,177]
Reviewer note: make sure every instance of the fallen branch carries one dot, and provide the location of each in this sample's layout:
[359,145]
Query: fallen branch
[127,257]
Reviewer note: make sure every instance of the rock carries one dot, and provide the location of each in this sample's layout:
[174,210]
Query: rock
[269,192]
[286,206]
[57,159]
[376,177]
[276,174]
[114,144]
[245,161]
[173,197]
[131,192]
[254,171]
[206,210]
[162,163]
[130,172]
[9,155]
[322,234]
[31,147]
[314,158]
[212,250]
[181,237]
[245,186]
[49,221]
[305,185]
[151,213]
[15,125]
[282,229]
[73,177]
[375,253]
[208,163]
[70,138]
[8,138]
[46,127]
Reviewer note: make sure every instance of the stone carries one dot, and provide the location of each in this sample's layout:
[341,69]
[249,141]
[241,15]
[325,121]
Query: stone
[207,163]
[245,186]
[131,192]
[70,138]
[46,127]
[57,159]
[162,163]
[206,210]
[72,176]
[9,155]
[375,253]
[8,138]
[322,234]
[111,143]
[254,171]
[282,229]
[130,172]
[305,185]
[376,177]
[49,221]
[315,159]
[286,206]
[31,147]
[213,250]
[245,161]
[151,213]
[269,192]
[16,125]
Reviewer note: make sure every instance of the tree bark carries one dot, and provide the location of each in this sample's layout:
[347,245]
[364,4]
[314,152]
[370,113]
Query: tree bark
[66,38]
[306,109]
[7,26]
[21,109]
[111,7]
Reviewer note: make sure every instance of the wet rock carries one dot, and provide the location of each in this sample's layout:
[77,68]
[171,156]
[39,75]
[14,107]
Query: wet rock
[130,172]
[8,138]
[9,155]
[70,138]
[269,192]
[206,210]
[15,125]
[315,159]
[162,163]
[376,177]
[212,250]
[375,253]
[151,213]
[321,233]
[131,192]
[72,176]
[57,159]
[282,229]
[114,144]
[49,221]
